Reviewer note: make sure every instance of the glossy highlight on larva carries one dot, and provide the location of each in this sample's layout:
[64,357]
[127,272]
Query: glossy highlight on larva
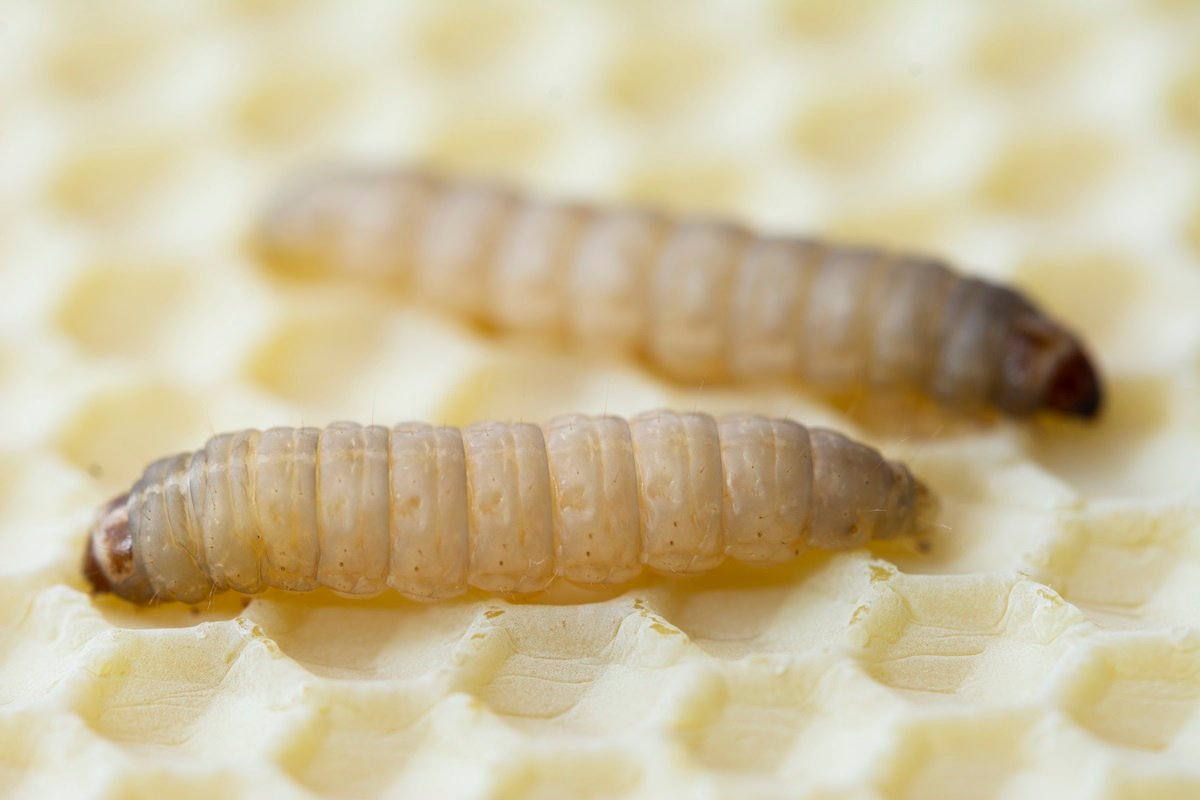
[701,300]
[505,508]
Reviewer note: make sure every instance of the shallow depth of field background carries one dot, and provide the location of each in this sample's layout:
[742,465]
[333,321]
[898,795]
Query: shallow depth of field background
[1049,646]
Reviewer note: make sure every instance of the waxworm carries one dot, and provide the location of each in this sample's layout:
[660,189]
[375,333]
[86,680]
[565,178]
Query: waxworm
[702,300]
[505,508]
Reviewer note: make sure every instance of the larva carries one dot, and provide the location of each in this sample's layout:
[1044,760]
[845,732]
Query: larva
[701,300]
[505,508]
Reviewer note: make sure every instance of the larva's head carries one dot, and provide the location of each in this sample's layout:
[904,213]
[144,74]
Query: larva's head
[108,562]
[1045,368]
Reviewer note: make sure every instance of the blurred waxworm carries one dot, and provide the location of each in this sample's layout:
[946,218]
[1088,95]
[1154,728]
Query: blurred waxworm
[702,300]
[505,508]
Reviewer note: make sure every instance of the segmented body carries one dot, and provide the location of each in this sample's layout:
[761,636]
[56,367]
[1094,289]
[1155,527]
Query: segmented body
[702,300]
[504,508]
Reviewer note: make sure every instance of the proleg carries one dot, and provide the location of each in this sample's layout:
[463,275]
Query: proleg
[701,300]
[432,512]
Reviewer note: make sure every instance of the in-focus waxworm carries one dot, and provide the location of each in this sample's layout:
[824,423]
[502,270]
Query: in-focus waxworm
[702,300]
[506,508]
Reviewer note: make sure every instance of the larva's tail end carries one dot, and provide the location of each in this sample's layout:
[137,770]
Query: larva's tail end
[1074,388]
[277,251]
[108,554]
[286,240]
[926,509]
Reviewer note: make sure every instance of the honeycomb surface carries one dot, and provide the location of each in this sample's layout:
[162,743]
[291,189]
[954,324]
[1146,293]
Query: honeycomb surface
[1047,647]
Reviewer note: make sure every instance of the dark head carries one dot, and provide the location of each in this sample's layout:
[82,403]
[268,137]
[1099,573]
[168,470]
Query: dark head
[1045,368]
[108,561]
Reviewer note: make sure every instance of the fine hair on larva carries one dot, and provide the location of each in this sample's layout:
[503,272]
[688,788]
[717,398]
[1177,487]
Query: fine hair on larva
[702,300]
[505,508]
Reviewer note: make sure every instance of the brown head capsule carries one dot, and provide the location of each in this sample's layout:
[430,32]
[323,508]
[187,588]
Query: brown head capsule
[431,512]
[701,300]
[1049,369]
[108,556]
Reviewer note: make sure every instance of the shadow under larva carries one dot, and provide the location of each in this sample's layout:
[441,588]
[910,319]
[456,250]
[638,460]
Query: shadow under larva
[431,512]
[701,300]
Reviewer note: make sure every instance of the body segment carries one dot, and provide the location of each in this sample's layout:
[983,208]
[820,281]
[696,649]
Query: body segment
[701,300]
[503,508]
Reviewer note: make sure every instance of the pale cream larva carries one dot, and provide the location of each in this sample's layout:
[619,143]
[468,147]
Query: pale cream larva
[701,300]
[504,508]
